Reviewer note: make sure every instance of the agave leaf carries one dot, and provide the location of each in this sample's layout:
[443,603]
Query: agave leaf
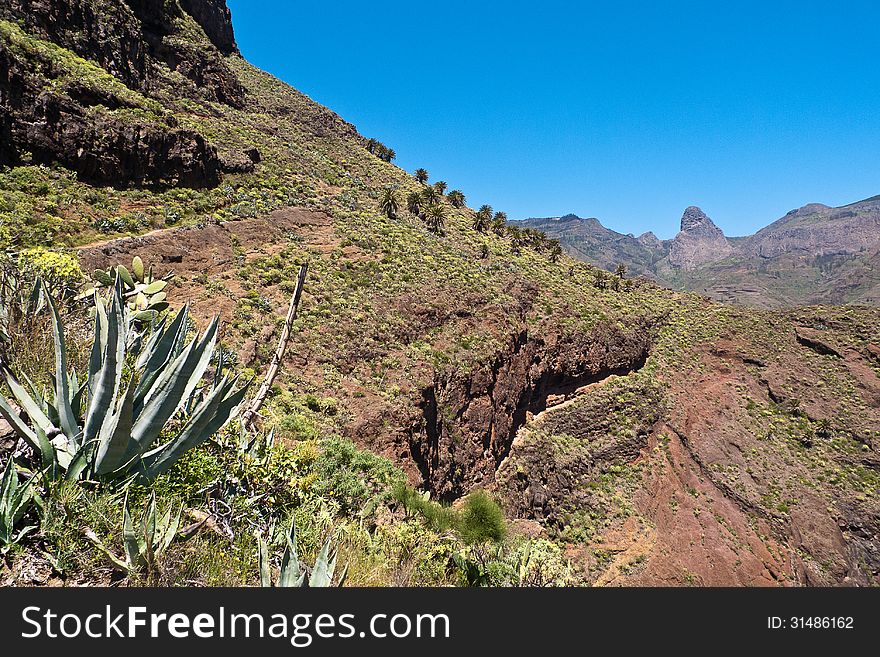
[8,487]
[322,573]
[99,344]
[137,268]
[36,299]
[74,465]
[291,574]
[134,547]
[115,435]
[214,412]
[265,566]
[109,378]
[158,355]
[173,387]
[48,457]
[19,425]
[28,404]
[171,527]
[66,416]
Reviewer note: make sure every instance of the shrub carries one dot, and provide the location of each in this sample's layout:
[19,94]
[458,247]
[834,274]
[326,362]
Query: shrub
[481,519]
[59,271]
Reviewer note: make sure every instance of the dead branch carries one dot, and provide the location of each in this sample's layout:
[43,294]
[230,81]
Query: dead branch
[249,416]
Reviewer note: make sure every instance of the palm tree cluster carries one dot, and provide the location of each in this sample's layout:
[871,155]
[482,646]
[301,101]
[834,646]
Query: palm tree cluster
[427,205]
[604,280]
[380,150]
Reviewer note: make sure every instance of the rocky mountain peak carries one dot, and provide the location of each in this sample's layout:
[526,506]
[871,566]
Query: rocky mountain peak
[700,241]
[694,219]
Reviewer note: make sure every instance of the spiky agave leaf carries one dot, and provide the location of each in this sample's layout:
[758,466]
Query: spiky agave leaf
[325,564]
[292,573]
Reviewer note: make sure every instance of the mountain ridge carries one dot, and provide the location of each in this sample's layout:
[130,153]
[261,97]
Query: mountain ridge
[813,254]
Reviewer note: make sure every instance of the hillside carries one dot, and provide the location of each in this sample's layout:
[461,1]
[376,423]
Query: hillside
[632,434]
[812,255]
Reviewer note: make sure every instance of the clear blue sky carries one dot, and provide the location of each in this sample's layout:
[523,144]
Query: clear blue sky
[626,111]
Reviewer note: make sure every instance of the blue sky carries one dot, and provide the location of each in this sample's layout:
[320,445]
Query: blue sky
[626,111]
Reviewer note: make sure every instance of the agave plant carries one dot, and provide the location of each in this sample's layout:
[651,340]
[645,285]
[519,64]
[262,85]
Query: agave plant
[293,573]
[111,425]
[20,300]
[144,541]
[144,293]
[15,500]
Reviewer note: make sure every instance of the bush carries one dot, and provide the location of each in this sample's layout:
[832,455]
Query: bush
[60,271]
[481,519]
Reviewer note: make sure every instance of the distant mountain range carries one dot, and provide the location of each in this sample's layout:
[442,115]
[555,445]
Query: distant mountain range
[813,255]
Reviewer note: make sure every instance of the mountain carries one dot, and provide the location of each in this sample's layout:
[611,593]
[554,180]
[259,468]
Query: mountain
[632,434]
[589,240]
[813,255]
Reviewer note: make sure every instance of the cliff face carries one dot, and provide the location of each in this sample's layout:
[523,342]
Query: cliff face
[107,114]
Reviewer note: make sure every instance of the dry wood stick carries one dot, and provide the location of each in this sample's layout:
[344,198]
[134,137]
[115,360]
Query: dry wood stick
[250,414]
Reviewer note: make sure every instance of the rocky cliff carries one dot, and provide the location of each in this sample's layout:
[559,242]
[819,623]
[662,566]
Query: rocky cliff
[94,86]
[699,241]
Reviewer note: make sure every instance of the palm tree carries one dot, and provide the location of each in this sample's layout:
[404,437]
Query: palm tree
[390,203]
[482,218]
[422,175]
[390,154]
[555,250]
[440,186]
[414,203]
[372,145]
[620,271]
[430,196]
[600,279]
[456,198]
[435,217]
[501,217]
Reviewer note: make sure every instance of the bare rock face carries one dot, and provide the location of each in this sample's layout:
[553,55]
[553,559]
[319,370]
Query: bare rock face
[130,38]
[700,241]
[56,116]
[216,20]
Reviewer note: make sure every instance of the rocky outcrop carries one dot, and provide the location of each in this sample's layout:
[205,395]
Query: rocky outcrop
[54,108]
[76,126]
[131,38]
[700,241]
[469,421]
[215,19]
